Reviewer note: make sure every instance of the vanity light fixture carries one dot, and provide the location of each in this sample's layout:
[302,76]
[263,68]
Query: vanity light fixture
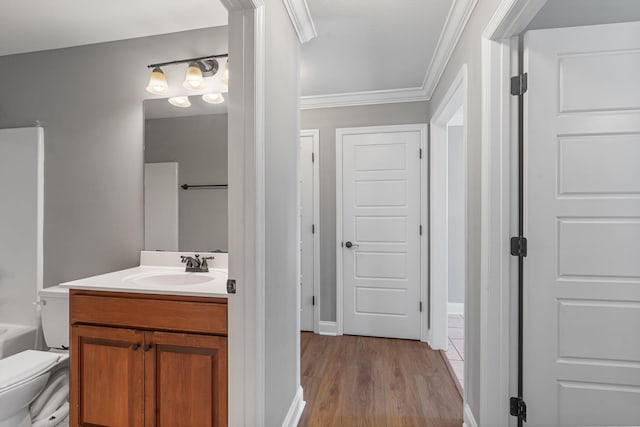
[180,101]
[193,79]
[213,98]
[157,82]
[197,70]
[225,74]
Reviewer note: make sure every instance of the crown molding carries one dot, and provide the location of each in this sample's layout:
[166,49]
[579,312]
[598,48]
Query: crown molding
[363,98]
[232,5]
[300,16]
[452,30]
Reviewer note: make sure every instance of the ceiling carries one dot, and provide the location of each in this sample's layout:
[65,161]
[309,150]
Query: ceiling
[27,26]
[571,13]
[365,45]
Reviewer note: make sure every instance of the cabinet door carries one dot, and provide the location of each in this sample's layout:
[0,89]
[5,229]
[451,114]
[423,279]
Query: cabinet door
[107,377]
[186,380]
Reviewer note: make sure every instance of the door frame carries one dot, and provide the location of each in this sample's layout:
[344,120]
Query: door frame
[246,192]
[439,209]
[499,212]
[315,136]
[424,248]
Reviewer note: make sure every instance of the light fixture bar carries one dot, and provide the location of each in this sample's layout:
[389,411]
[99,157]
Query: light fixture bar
[186,61]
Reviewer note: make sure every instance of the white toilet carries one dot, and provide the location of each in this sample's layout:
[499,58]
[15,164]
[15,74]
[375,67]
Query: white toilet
[23,376]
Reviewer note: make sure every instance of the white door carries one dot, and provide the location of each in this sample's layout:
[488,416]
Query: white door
[161,207]
[582,273]
[380,210]
[308,228]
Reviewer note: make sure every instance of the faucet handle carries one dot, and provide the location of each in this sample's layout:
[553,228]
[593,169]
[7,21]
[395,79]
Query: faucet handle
[204,261]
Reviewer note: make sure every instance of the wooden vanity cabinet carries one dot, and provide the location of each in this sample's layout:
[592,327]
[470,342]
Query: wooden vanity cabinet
[162,364]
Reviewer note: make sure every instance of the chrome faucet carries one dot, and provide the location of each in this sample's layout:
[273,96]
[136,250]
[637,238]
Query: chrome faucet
[195,264]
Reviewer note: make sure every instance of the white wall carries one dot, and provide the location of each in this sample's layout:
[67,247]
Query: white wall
[282,133]
[21,203]
[468,51]
[455,200]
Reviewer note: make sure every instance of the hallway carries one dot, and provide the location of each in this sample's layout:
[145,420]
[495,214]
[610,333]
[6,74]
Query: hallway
[355,381]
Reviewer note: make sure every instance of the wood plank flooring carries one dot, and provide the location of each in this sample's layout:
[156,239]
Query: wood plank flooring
[352,381]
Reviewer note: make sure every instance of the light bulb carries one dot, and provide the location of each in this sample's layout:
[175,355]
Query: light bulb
[225,74]
[193,79]
[157,82]
[180,101]
[213,98]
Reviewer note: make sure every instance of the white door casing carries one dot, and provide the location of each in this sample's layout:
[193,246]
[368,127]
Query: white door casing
[582,221]
[309,219]
[379,212]
[455,97]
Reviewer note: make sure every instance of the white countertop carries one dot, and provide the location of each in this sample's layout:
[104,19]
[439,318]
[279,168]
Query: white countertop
[153,279]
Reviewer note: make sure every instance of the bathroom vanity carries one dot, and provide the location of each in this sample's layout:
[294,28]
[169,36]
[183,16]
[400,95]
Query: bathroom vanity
[149,348]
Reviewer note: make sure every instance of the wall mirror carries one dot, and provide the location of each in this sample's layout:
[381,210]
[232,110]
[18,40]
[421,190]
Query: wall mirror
[185,168]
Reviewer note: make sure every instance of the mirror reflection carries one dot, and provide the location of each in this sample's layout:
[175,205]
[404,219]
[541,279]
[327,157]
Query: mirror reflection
[185,168]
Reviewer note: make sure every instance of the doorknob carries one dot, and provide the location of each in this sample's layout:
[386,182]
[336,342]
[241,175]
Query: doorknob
[350,245]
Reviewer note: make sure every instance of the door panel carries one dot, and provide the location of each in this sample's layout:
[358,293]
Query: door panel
[381,217]
[109,389]
[189,375]
[582,220]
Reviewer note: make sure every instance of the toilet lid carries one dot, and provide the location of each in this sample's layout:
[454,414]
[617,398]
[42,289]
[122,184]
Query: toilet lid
[22,366]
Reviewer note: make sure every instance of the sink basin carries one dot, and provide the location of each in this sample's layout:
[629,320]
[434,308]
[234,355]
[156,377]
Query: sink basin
[169,279]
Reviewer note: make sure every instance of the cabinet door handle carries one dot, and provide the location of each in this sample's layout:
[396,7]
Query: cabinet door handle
[147,347]
[134,347]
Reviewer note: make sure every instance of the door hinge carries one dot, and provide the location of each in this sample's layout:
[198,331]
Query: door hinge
[519,84]
[421,229]
[313,157]
[313,300]
[519,246]
[420,306]
[313,229]
[517,408]
[421,153]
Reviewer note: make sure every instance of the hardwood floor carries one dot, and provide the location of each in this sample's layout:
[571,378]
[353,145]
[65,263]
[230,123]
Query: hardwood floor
[352,381]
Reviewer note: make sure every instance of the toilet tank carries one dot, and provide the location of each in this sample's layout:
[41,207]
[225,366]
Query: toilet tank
[54,311]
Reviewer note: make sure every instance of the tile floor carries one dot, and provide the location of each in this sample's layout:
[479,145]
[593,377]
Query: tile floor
[455,352]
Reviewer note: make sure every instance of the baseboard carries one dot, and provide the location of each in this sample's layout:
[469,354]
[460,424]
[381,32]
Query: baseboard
[469,420]
[328,328]
[295,410]
[455,308]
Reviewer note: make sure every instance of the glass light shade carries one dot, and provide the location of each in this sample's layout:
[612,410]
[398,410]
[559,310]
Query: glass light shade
[180,101]
[225,74]
[213,98]
[157,82]
[193,79]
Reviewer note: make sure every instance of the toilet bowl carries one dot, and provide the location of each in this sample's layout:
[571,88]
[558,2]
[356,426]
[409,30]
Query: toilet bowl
[24,375]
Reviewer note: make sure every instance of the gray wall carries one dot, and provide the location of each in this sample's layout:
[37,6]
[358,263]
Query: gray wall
[327,120]
[468,52]
[455,194]
[89,101]
[199,145]
[281,183]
